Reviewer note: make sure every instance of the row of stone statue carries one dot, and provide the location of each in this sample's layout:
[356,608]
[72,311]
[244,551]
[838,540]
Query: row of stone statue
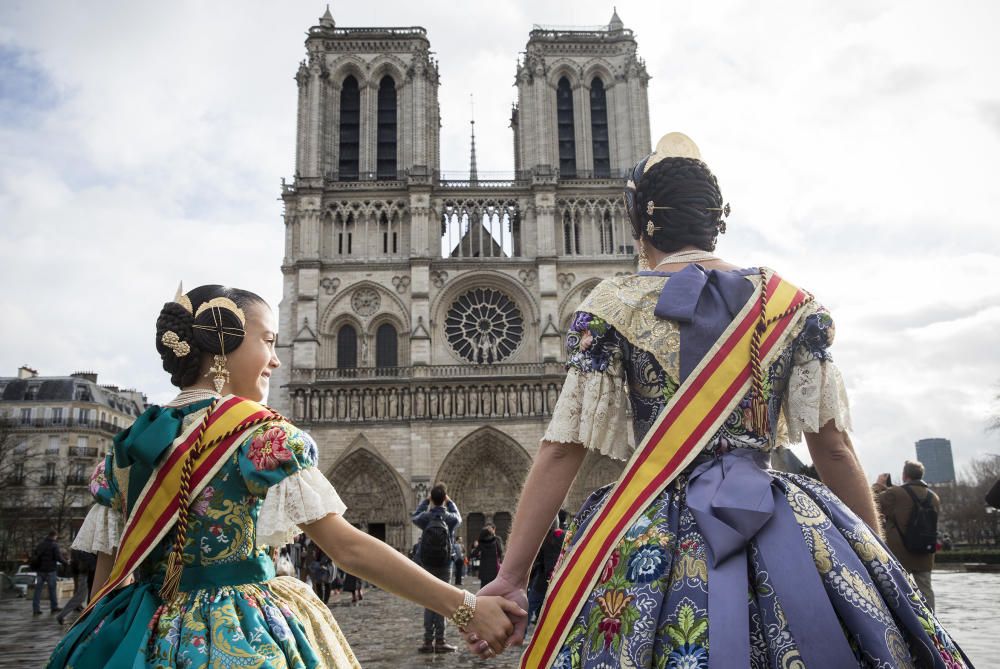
[423,403]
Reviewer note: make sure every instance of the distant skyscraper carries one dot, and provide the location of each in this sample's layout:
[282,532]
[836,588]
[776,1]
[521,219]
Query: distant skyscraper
[935,454]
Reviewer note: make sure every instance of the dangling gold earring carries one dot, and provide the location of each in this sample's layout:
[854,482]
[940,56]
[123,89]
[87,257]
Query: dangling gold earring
[219,373]
[643,257]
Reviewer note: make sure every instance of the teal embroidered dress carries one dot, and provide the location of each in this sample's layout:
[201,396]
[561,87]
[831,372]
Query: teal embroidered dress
[232,611]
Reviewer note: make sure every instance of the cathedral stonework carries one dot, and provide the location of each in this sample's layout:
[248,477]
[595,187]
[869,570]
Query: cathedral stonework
[424,317]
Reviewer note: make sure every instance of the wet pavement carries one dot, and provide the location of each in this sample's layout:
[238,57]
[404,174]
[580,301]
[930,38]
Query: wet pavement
[385,631]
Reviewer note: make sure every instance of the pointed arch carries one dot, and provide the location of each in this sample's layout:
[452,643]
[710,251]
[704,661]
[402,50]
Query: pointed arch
[484,472]
[373,493]
[565,128]
[350,129]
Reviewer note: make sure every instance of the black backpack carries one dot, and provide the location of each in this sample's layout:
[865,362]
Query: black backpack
[435,543]
[920,536]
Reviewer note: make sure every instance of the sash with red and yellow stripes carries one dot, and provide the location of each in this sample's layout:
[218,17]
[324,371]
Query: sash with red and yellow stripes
[694,414]
[155,510]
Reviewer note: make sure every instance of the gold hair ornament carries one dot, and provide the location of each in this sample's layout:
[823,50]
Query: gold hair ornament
[171,340]
[183,300]
[218,371]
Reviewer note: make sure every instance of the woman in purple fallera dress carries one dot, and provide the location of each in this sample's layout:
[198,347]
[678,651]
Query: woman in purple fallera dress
[696,580]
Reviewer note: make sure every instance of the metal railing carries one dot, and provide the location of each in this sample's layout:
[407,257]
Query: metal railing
[66,424]
[83,452]
[499,371]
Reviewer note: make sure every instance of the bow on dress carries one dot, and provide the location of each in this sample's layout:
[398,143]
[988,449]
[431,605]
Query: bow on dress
[734,501]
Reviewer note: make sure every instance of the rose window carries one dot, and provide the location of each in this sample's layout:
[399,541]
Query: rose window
[484,326]
[365,301]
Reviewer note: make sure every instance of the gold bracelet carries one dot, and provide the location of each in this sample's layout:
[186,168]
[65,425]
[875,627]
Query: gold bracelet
[463,614]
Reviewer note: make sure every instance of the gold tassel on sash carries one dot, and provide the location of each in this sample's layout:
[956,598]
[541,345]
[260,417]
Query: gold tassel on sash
[759,419]
[175,561]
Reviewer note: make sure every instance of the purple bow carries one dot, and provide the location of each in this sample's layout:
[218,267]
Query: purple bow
[733,502]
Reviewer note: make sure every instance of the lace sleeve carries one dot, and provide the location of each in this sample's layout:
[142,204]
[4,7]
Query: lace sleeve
[815,394]
[301,498]
[100,532]
[592,407]
[591,411]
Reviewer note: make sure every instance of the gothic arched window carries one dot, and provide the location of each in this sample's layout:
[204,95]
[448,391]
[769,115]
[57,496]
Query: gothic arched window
[350,129]
[571,233]
[386,346]
[347,347]
[599,128]
[607,234]
[567,136]
[386,166]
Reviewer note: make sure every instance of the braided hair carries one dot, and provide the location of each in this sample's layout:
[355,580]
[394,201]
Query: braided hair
[201,341]
[689,188]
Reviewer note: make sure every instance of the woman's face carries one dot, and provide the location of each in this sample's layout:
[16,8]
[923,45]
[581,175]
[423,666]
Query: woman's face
[251,364]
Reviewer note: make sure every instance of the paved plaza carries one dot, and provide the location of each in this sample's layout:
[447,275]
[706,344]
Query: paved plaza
[385,631]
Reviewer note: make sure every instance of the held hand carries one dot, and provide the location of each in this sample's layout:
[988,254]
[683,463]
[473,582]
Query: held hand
[492,624]
[513,593]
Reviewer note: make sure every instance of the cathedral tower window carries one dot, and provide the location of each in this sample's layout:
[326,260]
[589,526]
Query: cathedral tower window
[599,128]
[350,129]
[386,129]
[386,346]
[347,347]
[567,136]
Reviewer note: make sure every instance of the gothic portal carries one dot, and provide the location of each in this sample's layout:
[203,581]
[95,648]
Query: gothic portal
[427,314]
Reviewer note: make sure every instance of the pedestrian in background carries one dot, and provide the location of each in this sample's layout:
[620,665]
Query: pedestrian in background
[81,564]
[458,560]
[474,558]
[911,513]
[490,554]
[541,570]
[437,517]
[45,560]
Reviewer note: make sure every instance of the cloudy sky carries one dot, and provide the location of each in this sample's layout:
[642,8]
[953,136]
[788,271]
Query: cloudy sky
[858,141]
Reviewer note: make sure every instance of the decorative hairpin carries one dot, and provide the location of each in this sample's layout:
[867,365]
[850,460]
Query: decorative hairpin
[171,340]
[222,303]
[724,209]
[183,300]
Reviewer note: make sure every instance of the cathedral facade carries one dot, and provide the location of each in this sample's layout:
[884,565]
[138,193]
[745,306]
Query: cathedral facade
[423,317]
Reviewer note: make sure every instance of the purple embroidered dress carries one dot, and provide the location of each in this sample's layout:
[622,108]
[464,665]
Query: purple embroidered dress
[806,582]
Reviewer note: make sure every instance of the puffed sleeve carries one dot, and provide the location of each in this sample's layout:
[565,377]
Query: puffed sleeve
[278,463]
[815,394]
[102,527]
[591,409]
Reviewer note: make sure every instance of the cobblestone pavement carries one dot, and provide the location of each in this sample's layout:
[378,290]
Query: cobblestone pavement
[385,631]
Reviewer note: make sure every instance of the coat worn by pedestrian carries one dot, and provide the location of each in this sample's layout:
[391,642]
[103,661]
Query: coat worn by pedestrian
[47,556]
[490,554]
[231,610]
[895,505]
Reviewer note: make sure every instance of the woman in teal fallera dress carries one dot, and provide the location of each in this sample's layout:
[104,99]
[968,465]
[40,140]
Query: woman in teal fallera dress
[230,610]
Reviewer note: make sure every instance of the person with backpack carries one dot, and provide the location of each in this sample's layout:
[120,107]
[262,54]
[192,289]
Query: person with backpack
[437,517]
[911,514]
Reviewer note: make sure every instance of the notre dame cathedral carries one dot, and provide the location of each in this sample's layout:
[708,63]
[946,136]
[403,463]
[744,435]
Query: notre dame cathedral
[423,317]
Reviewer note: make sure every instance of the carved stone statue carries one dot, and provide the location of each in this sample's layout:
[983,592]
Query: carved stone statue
[418,403]
[487,401]
[512,401]
[341,405]
[314,413]
[300,406]
[460,401]
[434,403]
[393,404]
[525,400]
[368,405]
[537,407]
[406,404]
[328,405]
[355,406]
[551,397]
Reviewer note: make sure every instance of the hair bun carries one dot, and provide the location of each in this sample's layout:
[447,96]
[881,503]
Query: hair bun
[217,328]
[174,318]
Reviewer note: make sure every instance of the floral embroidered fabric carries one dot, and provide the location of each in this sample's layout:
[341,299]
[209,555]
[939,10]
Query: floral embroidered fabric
[650,606]
[266,487]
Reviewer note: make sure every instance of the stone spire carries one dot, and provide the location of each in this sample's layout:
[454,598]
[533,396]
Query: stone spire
[616,23]
[327,19]
[473,171]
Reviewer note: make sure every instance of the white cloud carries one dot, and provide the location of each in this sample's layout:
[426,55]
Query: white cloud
[858,142]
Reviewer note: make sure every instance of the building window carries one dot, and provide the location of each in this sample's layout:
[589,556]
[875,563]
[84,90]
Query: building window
[599,128]
[345,235]
[386,346]
[53,448]
[386,165]
[347,347]
[350,129]
[17,473]
[567,136]
[31,393]
[57,415]
[571,234]
[484,326]
[77,474]
[607,234]
[25,416]
[49,477]
[83,416]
